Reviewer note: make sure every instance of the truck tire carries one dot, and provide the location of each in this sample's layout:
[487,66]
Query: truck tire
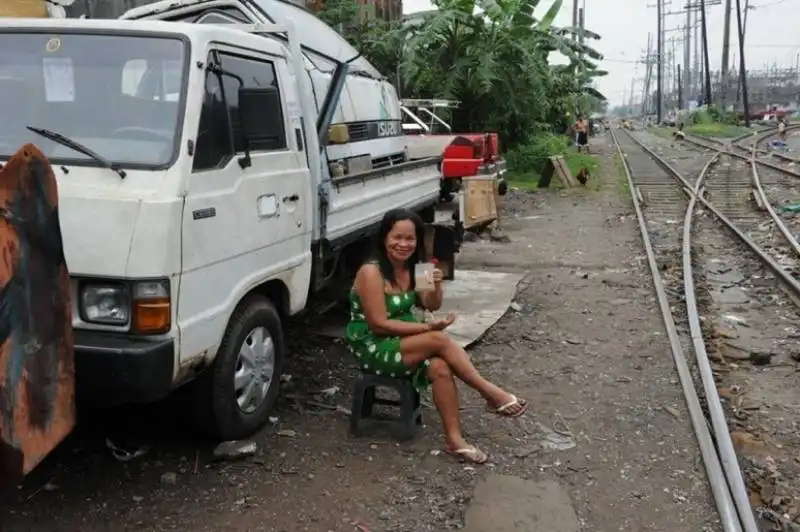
[236,394]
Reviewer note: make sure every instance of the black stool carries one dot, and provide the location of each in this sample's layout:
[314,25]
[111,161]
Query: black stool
[363,420]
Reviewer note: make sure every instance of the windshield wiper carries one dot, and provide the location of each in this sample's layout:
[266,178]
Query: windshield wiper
[78,147]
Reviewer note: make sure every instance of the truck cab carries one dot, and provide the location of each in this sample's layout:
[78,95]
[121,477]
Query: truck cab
[195,201]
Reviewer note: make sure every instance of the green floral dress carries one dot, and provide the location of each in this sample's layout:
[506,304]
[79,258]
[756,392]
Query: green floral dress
[381,354]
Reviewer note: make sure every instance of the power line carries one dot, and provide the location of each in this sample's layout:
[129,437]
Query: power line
[768,4]
[792,46]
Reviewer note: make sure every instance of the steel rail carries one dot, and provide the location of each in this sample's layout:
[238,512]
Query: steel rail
[768,206]
[730,463]
[779,272]
[788,281]
[754,161]
[726,150]
[716,476]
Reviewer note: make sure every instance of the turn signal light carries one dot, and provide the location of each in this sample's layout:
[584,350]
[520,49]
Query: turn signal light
[152,311]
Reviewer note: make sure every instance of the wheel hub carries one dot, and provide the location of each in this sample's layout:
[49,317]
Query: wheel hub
[255,369]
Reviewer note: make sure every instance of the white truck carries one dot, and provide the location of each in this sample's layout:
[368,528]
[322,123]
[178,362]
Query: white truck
[197,205]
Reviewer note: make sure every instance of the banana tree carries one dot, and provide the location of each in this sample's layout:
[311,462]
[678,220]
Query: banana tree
[492,56]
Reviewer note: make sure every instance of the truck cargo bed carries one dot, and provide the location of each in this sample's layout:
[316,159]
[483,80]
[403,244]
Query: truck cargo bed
[359,201]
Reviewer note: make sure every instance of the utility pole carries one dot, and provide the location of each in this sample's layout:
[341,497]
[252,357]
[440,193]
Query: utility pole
[659,59]
[574,14]
[692,69]
[580,67]
[706,63]
[726,45]
[687,59]
[647,76]
[680,89]
[742,67]
[631,96]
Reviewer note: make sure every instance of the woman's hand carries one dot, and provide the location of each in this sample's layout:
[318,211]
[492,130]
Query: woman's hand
[440,325]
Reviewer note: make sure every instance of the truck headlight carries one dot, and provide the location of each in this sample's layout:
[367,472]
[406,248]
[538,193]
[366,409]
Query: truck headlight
[105,303]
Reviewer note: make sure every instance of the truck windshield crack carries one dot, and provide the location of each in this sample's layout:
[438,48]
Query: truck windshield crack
[78,147]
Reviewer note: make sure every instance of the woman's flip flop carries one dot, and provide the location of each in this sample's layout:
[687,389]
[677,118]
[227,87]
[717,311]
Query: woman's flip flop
[469,454]
[503,410]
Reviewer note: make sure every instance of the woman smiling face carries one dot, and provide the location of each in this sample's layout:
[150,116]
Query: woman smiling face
[401,241]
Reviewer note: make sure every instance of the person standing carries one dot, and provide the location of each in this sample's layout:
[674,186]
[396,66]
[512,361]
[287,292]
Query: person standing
[782,129]
[581,128]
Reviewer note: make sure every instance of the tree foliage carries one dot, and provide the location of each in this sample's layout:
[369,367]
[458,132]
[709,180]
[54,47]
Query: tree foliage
[491,55]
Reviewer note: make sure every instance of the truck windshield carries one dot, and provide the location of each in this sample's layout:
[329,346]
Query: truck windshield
[119,95]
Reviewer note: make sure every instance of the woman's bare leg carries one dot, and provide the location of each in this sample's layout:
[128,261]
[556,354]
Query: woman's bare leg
[420,347]
[445,397]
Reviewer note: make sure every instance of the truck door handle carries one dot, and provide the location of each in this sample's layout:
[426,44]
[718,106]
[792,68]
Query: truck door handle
[293,197]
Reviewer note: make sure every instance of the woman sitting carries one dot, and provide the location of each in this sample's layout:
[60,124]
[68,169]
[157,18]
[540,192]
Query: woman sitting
[388,340]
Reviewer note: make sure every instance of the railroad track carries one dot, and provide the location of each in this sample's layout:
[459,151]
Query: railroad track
[744,146]
[662,197]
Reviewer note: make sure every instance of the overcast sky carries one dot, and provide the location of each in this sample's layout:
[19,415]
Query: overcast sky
[772,35]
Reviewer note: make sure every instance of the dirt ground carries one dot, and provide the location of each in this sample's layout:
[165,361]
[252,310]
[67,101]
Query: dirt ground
[584,342]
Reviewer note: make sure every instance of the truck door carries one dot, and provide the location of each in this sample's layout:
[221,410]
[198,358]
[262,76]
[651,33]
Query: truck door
[241,224]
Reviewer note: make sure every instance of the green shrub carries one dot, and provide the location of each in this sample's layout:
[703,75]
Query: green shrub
[526,161]
[575,161]
[529,157]
[713,115]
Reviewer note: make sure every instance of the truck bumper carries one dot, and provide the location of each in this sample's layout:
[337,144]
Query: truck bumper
[114,369]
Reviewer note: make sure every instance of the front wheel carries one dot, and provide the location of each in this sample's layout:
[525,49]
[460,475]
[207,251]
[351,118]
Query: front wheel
[237,393]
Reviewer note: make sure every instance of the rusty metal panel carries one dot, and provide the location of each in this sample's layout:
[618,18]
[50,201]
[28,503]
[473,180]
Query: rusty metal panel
[37,375]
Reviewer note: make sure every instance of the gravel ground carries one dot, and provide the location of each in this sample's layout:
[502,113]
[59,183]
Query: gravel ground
[584,343]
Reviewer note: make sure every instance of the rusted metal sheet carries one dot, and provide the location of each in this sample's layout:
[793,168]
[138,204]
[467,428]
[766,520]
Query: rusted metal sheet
[37,376]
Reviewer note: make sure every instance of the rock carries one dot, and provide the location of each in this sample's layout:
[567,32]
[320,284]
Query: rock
[169,478]
[747,443]
[287,433]
[233,450]
[508,504]
[469,236]
[761,359]
[496,235]
[525,452]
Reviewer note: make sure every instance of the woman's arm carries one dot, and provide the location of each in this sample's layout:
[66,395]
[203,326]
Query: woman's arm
[369,287]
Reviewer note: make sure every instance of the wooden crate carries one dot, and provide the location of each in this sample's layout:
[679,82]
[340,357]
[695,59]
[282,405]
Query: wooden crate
[480,207]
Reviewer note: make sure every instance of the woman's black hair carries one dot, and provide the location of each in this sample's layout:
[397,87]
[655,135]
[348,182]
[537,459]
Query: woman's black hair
[387,224]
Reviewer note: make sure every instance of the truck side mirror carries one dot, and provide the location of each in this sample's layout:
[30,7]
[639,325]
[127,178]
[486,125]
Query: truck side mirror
[260,118]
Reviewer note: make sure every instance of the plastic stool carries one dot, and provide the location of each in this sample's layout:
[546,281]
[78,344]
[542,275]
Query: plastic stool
[363,420]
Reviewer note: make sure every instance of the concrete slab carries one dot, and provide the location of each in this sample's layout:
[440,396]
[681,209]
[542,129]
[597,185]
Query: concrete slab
[504,503]
[478,298]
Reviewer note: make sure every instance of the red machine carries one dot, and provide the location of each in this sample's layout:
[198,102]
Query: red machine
[463,154]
